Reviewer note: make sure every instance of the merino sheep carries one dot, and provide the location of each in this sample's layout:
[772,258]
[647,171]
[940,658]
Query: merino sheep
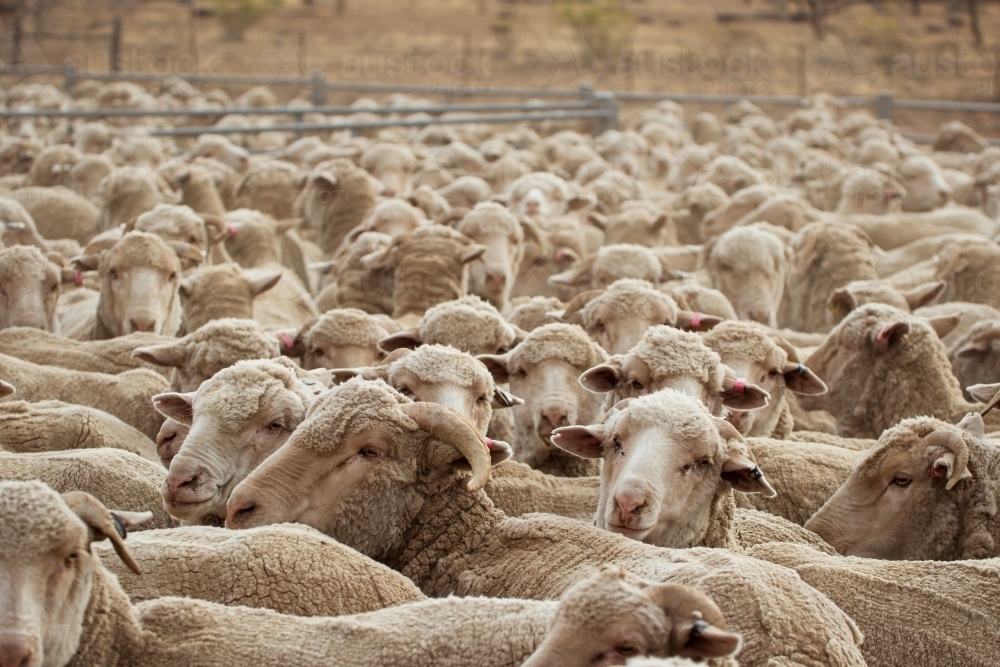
[336,198]
[618,317]
[204,352]
[827,256]
[749,266]
[430,266]
[534,312]
[223,291]
[667,357]
[341,338]
[110,356]
[117,478]
[469,323]
[29,289]
[751,353]
[541,194]
[971,273]
[859,292]
[883,365]
[925,185]
[351,284]
[493,226]
[269,187]
[91,620]
[59,212]
[468,547]
[924,492]
[125,194]
[611,263]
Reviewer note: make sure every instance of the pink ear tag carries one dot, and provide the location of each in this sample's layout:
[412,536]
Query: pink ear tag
[559,255]
[883,335]
[233,230]
[740,386]
[287,340]
[77,278]
[696,320]
[489,443]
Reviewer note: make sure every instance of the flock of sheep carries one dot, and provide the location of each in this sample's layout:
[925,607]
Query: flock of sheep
[713,388]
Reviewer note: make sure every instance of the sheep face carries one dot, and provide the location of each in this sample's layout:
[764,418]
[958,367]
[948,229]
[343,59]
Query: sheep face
[492,277]
[540,194]
[873,191]
[47,569]
[749,266]
[219,148]
[175,223]
[29,289]
[901,499]
[222,291]
[637,618]
[357,467]
[925,185]
[236,420]
[139,281]
[975,357]
[392,164]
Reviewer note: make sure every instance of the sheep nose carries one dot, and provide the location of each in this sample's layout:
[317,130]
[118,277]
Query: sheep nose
[496,280]
[175,482]
[143,324]
[555,416]
[14,652]
[944,196]
[239,513]
[629,506]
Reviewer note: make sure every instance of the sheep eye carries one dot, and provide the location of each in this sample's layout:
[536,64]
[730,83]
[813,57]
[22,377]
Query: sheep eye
[192,240]
[368,452]
[521,373]
[503,349]
[773,372]
[173,276]
[627,650]
[71,559]
[275,426]
[539,261]
[113,273]
[703,462]
[637,385]
[599,326]
[405,391]
[483,399]
[901,481]
[618,445]
[54,288]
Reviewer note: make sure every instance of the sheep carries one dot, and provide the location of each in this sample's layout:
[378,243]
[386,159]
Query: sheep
[29,287]
[430,266]
[17,227]
[91,620]
[180,223]
[641,223]
[460,544]
[110,356]
[393,165]
[970,272]
[139,279]
[390,216]
[52,166]
[924,183]
[859,292]
[698,298]
[125,194]
[827,256]
[223,291]
[59,212]
[698,201]
[924,492]
[335,199]
[544,368]
[493,226]
[749,265]
[204,352]
[617,318]
[269,187]
[973,357]
[893,230]
[86,176]
[550,247]
[118,478]
[235,419]
[469,324]
[532,313]
[218,147]
[942,613]
[340,338]
[882,366]
[430,201]
[611,263]
[751,353]
[197,188]
[49,426]
[465,192]
[17,154]
[351,284]
[138,150]
[125,395]
[541,194]
[871,190]
[667,357]
[958,137]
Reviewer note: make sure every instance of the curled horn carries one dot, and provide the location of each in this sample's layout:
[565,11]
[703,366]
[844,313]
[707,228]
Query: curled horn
[954,443]
[449,427]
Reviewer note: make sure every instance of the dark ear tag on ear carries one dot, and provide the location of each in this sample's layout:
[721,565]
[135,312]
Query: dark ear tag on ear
[119,526]
[755,473]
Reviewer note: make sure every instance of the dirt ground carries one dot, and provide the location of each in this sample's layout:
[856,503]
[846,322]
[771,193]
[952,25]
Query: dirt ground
[650,45]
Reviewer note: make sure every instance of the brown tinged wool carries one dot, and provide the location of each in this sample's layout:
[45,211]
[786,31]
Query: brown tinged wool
[125,395]
[914,613]
[828,255]
[50,426]
[357,286]
[517,489]
[125,194]
[534,312]
[118,479]
[450,540]
[59,212]
[972,273]
[110,356]
[289,568]
[221,291]
[269,187]
[336,198]
[468,323]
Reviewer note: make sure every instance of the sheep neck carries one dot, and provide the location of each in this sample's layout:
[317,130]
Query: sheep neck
[111,630]
[451,522]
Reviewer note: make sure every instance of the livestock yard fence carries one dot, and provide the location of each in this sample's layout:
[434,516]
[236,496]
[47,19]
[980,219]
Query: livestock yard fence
[583,102]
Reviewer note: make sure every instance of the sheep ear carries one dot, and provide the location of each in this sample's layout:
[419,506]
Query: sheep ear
[261,282]
[689,321]
[604,377]
[973,424]
[583,441]
[408,339]
[341,375]
[190,256]
[739,394]
[171,355]
[576,203]
[921,295]
[740,469]
[86,262]
[218,230]
[326,179]
[472,253]
[944,325]
[803,381]
[177,406]
[693,636]
[6,389]
[104,524]
[842,302]
[659,223]
[286,224]
[890,334]
[380,259]
[501,399]
[496,364]
[597,220]
[984,393]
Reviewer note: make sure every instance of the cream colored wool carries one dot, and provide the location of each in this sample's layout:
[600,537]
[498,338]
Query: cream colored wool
[50,426]
[268,187]
[110,356]
[125,395]
[449,540]
[118,479]
[357,286]
[336,198]
[289,568]
[59,212]
[517,489]
[913,613]
[468,323]
[701,299]
[535,312]
[125,194]
[857,444]
[805,475]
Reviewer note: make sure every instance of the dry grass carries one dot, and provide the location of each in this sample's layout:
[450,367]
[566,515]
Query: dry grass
[670,46]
